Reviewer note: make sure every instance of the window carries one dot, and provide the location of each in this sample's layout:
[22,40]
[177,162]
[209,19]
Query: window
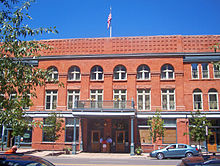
[97,73]
[144,131]
[51,99]
[74,73]
[54,73]
[47,136]
[213,99]
[120,97]
[205,70]
[96,97]
[2,98]
[216,71]
[143,99]
[26,97]
[195,71]
[197,99]
[168,99]
[167,72]
[143,72]
[72,97]
[120,73]
[170,132]
[70,129]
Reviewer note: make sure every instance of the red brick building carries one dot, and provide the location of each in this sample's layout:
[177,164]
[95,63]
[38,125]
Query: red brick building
[113,85]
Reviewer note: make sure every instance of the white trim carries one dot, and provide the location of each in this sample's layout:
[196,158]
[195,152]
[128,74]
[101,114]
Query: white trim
[205,70]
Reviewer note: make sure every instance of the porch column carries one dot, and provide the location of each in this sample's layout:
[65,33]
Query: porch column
[132,137]
[81,141]
[74,137]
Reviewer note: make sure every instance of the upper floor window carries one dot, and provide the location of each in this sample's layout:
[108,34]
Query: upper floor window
[120,97]
[143,99]
[195,71]
[26,97]
[120,73]
[167,72]
[74,73]
[213,99]
[143,72]
[54,73]
[216,71]
[96,97]
[96,73]
[168,99]
[51,99]
[205,70]
[72,97]
[197,99]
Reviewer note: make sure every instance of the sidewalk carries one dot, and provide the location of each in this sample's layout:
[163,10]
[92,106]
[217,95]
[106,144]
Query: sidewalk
[80,155]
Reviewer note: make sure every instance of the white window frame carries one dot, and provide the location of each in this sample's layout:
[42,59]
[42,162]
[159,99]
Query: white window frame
[119,72]
[51,94]
[95,95]
[75,95]
[73,72]
[143,70]
[54,73]
[119,100]
[213,93]
[197,93]
[215,70]
[167,71]
[97,72]
[143,93]
[203,71]
[168,94]
[27,108]
[196,72]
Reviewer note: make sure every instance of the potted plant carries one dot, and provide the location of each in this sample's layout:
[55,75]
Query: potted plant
[138,150]
[67,150]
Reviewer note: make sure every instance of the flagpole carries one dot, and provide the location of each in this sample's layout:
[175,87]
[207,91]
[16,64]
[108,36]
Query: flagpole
[110,31]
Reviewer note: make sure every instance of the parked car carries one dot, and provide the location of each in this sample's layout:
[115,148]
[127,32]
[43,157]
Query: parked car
[175,151]
[20,159]
[203,160]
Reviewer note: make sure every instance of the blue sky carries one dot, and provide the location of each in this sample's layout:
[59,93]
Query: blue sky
[88,18]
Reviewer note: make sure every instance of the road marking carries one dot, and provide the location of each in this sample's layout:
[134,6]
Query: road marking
[108,164]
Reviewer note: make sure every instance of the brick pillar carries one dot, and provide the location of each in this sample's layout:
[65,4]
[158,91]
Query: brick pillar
[62,93]
[182,127]
[155,89]
[37,135]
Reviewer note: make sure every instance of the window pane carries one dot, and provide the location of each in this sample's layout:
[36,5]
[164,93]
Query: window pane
[145,136]
[169,136]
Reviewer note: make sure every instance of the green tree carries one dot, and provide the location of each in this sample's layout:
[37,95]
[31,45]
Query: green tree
[197,127]
[157,129]
[18,76]
[52,127]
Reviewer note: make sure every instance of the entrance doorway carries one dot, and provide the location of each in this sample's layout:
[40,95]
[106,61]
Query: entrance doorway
[212,145]
[95,141]
[120,141]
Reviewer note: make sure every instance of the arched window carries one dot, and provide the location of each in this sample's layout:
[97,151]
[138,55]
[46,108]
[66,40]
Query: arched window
[120,73]
[167,72]
[96,73]
[197,99]
[54,73]
[143,72]
[213,99]
[74,73]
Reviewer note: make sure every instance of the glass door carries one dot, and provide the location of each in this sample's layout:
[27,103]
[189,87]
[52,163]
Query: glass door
[212,146]
[120,141]
[95,140]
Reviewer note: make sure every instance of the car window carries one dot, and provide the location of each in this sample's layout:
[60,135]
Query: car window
[182,146]
[172,147]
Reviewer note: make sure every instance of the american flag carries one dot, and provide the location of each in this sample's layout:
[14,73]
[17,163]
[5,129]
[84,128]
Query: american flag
[109,19]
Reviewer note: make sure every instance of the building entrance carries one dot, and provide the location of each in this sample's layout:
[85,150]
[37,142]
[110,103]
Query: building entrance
[212,144]
[120,141]
[95,140]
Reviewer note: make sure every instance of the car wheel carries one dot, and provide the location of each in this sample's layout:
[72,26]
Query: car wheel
[160,156]
[189,154]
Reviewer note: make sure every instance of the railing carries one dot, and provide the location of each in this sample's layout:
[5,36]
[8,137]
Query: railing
[107,104]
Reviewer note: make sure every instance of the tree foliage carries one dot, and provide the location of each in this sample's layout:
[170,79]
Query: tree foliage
[197,126]
[18,77]
[156,124]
